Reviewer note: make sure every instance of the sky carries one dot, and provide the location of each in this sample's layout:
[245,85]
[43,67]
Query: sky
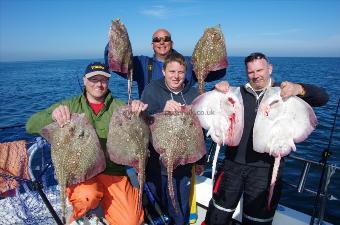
[78,29]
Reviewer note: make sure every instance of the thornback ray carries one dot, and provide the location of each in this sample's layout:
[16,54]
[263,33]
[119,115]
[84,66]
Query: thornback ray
[279,124]
[128,141]
[209,54]
[178,138]
[221,114]
[75,151]
[120,52]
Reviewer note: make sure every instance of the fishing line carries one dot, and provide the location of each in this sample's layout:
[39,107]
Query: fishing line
[12,126]
[325,154]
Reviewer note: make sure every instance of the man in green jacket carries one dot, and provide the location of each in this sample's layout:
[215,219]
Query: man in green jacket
[112,187]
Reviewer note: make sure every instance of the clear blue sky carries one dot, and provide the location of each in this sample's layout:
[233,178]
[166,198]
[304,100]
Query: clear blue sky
[78,29]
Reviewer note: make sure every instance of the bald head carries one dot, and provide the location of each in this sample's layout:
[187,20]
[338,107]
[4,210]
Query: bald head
[161,43]
[161,32]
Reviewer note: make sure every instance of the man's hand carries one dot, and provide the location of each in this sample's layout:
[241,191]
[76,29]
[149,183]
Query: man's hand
[61,115]
[290,89]
[172,106]
[222,86]
[138,106]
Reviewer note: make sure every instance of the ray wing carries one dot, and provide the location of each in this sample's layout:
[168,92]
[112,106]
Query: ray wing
[221,114]
[281,123]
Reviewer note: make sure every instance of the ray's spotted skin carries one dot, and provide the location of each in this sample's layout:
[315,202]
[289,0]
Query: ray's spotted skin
[120,50]
[209,54]
[178,138]
[75,151]
[128,140]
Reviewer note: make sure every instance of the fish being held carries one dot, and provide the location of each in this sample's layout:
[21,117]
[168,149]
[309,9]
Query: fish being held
[76,152]
[221,114]
[120,52]
[209,54]
[178,138]
[279,124]
[128,141]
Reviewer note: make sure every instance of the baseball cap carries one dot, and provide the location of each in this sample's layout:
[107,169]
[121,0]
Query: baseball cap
[97,68]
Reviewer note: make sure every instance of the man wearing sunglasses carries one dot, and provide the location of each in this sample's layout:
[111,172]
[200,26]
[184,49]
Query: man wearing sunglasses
[146,68]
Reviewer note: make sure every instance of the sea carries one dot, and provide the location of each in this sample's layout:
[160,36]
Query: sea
[28,87]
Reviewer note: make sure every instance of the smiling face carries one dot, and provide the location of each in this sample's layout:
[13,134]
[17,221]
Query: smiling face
[174,74]
[161,44]
[259,71]
[96,88]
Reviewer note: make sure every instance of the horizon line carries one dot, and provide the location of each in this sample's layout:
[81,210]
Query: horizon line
[96,58]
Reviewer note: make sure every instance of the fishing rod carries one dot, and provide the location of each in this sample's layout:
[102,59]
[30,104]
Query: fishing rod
[325,155]
[38,187]
[23,125]
[163,219]
[211,153]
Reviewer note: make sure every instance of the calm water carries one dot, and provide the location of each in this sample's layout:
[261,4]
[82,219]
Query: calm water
[27,87]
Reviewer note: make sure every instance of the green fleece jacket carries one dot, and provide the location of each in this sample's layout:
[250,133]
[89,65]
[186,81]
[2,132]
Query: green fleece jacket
[100,122]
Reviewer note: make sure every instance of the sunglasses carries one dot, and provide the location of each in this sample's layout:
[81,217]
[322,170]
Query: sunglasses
[159,39]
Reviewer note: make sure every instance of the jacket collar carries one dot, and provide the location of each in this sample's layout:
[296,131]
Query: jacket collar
[108,98]
[258,93]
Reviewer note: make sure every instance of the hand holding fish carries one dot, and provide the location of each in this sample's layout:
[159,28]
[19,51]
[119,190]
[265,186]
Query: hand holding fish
[289,89]
[222,86]
[172,106]
[61,115]
[138,106]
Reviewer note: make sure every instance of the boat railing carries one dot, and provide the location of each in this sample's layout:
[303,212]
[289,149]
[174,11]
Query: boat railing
[322,194]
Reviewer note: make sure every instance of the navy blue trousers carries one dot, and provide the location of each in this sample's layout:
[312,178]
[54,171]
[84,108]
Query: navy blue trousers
[158,184]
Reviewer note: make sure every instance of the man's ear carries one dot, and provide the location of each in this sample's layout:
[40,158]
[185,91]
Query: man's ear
[270,69]
[84,80]
[163,71]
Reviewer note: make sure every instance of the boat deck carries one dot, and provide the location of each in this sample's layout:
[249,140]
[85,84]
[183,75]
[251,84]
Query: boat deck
[283,215]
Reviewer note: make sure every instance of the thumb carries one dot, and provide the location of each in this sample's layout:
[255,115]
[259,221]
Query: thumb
[145,106]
